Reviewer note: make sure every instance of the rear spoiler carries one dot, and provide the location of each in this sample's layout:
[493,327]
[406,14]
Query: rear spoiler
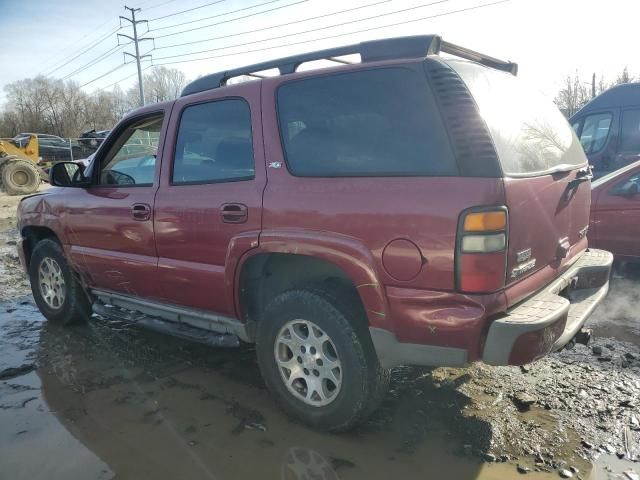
[478,57]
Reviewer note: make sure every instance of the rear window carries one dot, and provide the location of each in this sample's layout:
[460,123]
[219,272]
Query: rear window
[530,134]
[380,122]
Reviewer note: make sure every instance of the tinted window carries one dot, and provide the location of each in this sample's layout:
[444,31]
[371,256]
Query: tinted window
[630,140]
[369,123]
[132,158]
[626,187]
[595,132]
[530,134]
[214,143]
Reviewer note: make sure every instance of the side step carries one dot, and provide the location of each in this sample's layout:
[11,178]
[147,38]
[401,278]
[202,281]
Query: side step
[183,331]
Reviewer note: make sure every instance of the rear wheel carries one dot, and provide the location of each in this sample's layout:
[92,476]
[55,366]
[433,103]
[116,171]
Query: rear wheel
[20,177]
[54,285]
[316,357]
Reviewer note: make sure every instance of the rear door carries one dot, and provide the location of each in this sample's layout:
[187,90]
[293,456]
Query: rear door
[209,205]
[546,183]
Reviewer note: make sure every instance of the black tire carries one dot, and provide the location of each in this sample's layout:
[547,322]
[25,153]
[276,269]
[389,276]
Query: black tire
[75,306]
[364,382]
[20,177]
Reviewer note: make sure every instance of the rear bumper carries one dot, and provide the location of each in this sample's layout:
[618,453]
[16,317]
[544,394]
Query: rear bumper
[548,320]
[531,329]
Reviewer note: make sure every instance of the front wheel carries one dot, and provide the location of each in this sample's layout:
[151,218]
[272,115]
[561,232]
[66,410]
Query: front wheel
[316,357]
[55,288]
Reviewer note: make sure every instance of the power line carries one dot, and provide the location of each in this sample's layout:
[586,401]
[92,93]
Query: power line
[217,15]
[90,64]
[275,26]
[93,45]
[157,5]
[121,80]
[187,10]
[358,20]
[231,19]
[62,57]
[452,12]
[103,75]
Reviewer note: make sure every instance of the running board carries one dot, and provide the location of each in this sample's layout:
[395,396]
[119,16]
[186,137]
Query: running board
[179,330]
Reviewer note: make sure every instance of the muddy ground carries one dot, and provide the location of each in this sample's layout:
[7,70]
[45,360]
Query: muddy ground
[106,400]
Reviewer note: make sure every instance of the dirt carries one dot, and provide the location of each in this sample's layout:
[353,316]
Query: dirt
[105,400]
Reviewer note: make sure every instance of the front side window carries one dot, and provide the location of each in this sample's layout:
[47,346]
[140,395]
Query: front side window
[631,185]
[630,135]
[214,143]
[379,122]
[595,132]
[132,158]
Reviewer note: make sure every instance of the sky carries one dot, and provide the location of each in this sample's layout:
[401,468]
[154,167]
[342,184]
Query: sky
[549,39]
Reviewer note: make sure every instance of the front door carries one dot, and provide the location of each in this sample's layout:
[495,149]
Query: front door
[616,217]
[209,205]
[110,224]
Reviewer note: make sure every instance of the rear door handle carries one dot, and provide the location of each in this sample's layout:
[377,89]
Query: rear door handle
[141,211]
[234,213]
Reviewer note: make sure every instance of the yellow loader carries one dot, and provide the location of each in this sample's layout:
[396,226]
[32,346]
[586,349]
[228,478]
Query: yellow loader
[19,172]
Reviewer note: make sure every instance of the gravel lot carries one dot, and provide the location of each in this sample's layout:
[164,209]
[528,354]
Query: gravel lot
[133,404]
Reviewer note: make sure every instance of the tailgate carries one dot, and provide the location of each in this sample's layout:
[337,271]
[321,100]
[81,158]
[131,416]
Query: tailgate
[546,180]
[548,220]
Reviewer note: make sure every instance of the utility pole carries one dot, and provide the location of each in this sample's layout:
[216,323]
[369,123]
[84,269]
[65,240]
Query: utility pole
[593,85]
[136,40]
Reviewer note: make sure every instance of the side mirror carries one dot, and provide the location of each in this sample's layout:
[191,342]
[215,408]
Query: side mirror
[629,189]
[68,174]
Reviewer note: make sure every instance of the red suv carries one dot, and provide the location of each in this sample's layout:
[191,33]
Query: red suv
[406,209]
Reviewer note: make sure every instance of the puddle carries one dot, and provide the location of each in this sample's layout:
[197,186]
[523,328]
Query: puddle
[105,400]
[111,400]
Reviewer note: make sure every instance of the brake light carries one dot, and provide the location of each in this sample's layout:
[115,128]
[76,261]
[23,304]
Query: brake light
[481,254]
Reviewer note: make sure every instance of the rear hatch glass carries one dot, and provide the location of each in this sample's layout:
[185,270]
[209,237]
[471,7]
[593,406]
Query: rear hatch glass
[539,155]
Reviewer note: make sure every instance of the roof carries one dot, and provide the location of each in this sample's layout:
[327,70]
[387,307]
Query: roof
[417,46]
[623,95]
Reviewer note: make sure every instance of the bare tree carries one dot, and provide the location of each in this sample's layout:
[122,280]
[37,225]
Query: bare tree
[623,77]
[160,85]
[573,96]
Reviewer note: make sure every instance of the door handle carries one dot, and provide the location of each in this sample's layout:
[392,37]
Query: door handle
[234,213]
[141,211]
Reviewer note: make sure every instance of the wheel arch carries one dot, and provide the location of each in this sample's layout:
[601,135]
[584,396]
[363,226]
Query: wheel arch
[286,260]
[31,235]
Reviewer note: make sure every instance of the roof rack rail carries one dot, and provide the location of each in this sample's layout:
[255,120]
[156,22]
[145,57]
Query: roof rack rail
[371,51]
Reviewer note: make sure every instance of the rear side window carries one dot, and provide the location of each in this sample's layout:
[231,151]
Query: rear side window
[630,138]
[595,132]
[530,134]
[214,143]
[380,122]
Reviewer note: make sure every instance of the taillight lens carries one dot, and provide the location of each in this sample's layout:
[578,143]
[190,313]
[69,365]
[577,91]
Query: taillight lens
[482,250]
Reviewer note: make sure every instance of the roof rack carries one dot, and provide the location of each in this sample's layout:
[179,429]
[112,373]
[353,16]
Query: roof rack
[371,51]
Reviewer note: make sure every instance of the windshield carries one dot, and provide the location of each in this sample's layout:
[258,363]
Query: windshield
[530,134]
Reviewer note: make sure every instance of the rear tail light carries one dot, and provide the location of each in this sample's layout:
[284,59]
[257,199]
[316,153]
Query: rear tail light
[481,254]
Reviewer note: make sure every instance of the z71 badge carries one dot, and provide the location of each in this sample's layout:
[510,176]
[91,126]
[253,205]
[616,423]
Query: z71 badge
[523,268]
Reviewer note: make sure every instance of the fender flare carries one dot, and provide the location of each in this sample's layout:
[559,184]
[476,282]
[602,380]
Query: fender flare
[345,252]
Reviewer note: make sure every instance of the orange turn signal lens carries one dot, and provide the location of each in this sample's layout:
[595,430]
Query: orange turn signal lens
[485,221]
